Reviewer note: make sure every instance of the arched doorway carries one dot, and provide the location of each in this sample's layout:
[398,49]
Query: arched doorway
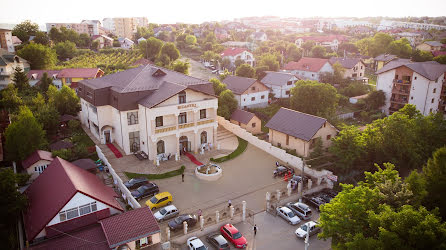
[203,137]
[185,145]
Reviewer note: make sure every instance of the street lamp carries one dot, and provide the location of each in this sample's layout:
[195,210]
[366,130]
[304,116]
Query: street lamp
[302,180]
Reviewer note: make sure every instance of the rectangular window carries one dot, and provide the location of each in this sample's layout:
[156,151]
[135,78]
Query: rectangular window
[182,97]
[262,97]
[84,209]
[287,92]
[68,80]
[253,98]
[72,213]
[253,124]
[432,101]
[287,139]
[289,83]
[396,77]
[435,90]
[159,121]
[202,113]
[328,137]
[253,88]
[132,118]
[63,216]
[182,118]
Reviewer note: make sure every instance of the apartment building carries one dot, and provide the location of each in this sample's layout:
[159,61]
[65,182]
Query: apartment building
[150,109]
[420,83]
[6,41]
[124,26]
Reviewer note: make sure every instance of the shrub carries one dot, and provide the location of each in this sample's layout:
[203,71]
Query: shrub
[242,144]
[157,176]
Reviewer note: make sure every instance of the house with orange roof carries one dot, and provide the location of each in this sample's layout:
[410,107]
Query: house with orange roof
[71,77]
[238,53]
[309,68]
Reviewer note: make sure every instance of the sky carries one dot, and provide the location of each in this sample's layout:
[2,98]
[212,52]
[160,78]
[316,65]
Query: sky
[198,11]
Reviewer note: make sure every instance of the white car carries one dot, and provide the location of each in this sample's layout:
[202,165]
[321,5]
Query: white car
[196,244]
[288,215]
[166,212]
[301,232]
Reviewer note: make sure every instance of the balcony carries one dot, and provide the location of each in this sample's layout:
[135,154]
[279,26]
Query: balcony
[400,91]
[165,129]
[202,122]
[185,125]
[398,101]
[403,82]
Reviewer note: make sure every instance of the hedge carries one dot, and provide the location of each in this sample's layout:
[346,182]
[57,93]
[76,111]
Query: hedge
[242,144]
[157,176]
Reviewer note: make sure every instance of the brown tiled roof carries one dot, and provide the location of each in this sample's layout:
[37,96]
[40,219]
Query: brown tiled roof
[232,51]
[430,70]
[78,72]
[242,116]
[295,123]
[38,73]
[141,61]
[61,145]
[129,226]
[278,78]
[37,156]
[307,64]
[55,187]
[87,164]
[385,57]
[238,84]
[347,63]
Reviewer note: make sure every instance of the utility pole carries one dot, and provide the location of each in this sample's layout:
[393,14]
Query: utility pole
[302,179]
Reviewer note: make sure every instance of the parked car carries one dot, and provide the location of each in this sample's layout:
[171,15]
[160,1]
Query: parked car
[177,223]
[136,182]
[324,196]
[301,232]
[195,244]
[300,209]
[287,215]
[146,190]
[282,170]
[166,212]
[315,201]
[234,236]
[218,241]
[332,193]
[159,200]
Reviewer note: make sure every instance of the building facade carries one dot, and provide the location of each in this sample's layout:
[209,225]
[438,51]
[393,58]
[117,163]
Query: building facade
[280,83]
[150,109]
[124,26]
[234,54]
[247,120]
[249,92]
[354,67]
[8,63]
[6,41]
[309,68]
[422,84]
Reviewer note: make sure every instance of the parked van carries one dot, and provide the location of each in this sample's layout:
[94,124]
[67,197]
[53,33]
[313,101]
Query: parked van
[300,209]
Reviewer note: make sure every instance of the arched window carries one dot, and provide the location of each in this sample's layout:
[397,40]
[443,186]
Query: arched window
[182,97]
[160,147]
[204,137]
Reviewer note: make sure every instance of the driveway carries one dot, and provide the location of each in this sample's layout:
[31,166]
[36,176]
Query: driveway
[199,71]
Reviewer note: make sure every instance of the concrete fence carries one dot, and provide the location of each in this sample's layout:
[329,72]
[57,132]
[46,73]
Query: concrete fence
[126,195]
[281,154]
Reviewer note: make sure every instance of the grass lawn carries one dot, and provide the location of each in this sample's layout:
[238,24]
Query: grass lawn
[242,144]
[157,176]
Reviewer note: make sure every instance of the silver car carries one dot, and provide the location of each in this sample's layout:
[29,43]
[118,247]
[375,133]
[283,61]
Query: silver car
[300,209]
[166,212]
[287,215]
[310,226]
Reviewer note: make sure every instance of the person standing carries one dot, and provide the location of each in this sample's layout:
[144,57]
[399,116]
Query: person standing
[229,203]
[255,229]
[182,177]
[199,213]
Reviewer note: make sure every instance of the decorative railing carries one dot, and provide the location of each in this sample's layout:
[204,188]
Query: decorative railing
[185,125]
[165,129]
[205,122]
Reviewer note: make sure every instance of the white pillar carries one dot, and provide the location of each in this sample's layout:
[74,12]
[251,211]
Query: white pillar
[243,210]
[278,194]
[268,196]
[196,142]
[319,180]
[310,183]
[231,211]
[177,155]
[201,222]
[217,216]
[168,233]
[299,187]
[185,227]
[289,191]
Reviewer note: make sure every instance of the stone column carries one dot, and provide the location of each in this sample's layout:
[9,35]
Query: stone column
[168,233]
[214,136]
[319,180]
[177,155]
[278,194]
[243,210]
[201,222]
[197,141]
[217,216]
[185,227]
[268,198]
[152,149]
[299,187]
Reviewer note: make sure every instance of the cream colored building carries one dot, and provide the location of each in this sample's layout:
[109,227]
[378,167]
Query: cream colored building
[430,46]
[354,67]
[291,129]
[8,63]
[150,109]
[124,26]
[247,120]
[6,41]
[36,163]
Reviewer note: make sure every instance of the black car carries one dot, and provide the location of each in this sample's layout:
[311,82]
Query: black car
[218,241]
[146,190]
[136,182]
[177,223]
[282,170]
[332,193]
[314,201]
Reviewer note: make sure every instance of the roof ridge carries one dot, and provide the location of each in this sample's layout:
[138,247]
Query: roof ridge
[304,113]
[134,78]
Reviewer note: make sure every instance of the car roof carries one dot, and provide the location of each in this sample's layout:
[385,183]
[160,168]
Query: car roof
[231,228]
[311,223]
[170,207]
[303,205]
[285,209]
[162,195]
[220,239]
[196,242]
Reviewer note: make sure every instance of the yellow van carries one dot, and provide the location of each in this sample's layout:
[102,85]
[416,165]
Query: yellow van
[159,200]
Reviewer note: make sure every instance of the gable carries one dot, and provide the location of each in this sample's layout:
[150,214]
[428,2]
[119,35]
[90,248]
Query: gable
[259,87]
[191,96]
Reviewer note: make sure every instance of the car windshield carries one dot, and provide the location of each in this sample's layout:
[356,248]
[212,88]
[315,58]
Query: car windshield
[141,189]
[304,227]
[309,212]
[237,235]
[224,245]
[132,181]
[202,248]
[154,200]
[290,214]
[163,211]
[178,220]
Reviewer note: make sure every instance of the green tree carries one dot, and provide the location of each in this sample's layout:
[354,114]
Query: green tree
[314,98]
[38,55]
[20,80]
[348,147]
[245,70]
[269,60]
[381,42]
[400,48]
[307,46]
[64,100]
[48,116]
[25,29]
[65,50]
[218,86]
[375,100]
[318,51]
[191,40]
[171,51]
[41,38]
[238,62]
[435,179]
[348,47]
[440,59]
[365,46]
[84,41]
[24,135]
[354,89]
[227,104]
[293,53]
[150,48]
[95,45]
[226,63]
[10,100]
[180,66]
[421,56]
[210,56]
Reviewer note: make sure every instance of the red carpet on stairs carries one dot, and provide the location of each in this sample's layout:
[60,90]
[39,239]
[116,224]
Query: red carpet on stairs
[193,159]
[114,150]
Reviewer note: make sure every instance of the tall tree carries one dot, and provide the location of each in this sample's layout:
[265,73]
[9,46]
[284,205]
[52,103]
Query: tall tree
[400,48]
[218,86]
[65,50]
[227,104]
[41,38]
[48,116]
[318,51]
[84,41]
[151,48]
[293,53]
[182,67]
[269,60]
[348,148]
[421,56]
[65,100]
[25,29]
[38,55]
[45,82]
[171,51]
[245,70]
[10,100]
[20,80]
[435,176]
[314,98]
[24,135]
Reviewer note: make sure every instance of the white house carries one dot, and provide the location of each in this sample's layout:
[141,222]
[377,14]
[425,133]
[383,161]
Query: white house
[249,92]
[238,53]
[309,68]
[150,109]
[6,40]
[259,36]
[354,67]
[36,163]
[280,83]
[8,63]
[126,43]
[104,41]
[35,75]
[420,83]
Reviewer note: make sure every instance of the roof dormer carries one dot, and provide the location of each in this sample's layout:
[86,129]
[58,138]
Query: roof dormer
[158,72]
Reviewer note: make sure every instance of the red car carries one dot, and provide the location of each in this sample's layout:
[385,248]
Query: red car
[233,235]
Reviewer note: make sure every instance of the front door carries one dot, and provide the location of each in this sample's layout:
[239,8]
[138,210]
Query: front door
[107,136]
[185,145]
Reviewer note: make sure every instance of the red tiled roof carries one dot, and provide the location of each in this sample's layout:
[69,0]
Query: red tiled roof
[129,226]
[307,64]
[79,72]
[37,156]
[55,187]
[38,73]
[232,51]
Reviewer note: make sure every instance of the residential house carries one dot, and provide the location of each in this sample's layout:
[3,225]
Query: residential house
[259,36]
[247,120]
[65,198]
[420,83]
[280,83]
[354,67]
[16,41]
[413,38]
[104,41]
[221,34]
[298,131]
[86,164]
[8,63]
[126,43]
[141,39]
[332,41]
[248,45]
[150,109]
[71,77]
[36,163]
[249,92]
[430,46]
[382,60]
[309,68]
[6,41]
[35,75]
[238,53]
